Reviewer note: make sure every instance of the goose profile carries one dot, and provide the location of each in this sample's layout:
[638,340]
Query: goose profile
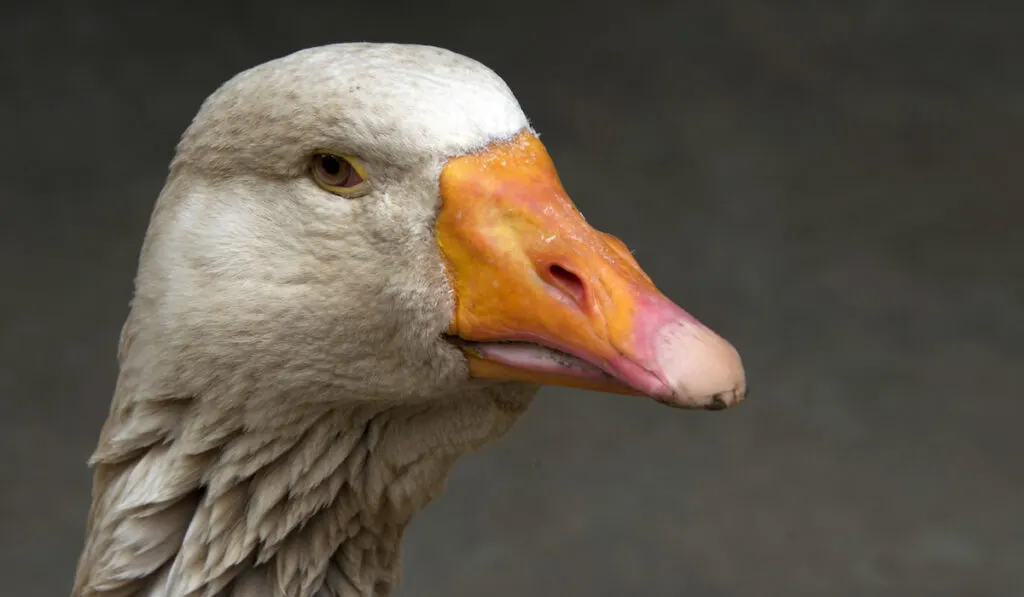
[361,266]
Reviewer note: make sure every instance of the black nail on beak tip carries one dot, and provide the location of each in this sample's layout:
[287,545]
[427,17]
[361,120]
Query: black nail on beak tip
[717,403]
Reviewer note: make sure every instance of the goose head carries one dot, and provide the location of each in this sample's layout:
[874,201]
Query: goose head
[358,240]
[382,219]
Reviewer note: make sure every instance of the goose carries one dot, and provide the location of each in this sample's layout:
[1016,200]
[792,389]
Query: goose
[362,265]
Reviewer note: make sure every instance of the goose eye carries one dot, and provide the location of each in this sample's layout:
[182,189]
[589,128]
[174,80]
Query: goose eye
[336,173]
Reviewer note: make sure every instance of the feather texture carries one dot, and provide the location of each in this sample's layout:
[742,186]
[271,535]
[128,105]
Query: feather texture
[317,507]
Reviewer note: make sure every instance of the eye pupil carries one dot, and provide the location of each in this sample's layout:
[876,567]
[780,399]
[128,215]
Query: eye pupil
[330,164]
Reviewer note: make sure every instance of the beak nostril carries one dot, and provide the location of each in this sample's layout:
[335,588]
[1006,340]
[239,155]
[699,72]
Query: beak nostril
[569,283]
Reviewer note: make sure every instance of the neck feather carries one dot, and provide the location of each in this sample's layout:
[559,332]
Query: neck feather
[188,502]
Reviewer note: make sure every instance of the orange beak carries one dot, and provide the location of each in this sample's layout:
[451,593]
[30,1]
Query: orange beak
[543,297]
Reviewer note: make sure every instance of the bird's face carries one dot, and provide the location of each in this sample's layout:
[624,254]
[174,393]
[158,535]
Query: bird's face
[412,252]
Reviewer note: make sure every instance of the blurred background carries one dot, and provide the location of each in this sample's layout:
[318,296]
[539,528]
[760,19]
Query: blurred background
[834,186]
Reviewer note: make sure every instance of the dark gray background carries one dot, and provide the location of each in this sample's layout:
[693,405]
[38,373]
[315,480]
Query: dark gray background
[835,186]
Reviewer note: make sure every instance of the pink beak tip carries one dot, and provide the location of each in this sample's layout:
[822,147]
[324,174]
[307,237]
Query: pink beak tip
[700,368]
